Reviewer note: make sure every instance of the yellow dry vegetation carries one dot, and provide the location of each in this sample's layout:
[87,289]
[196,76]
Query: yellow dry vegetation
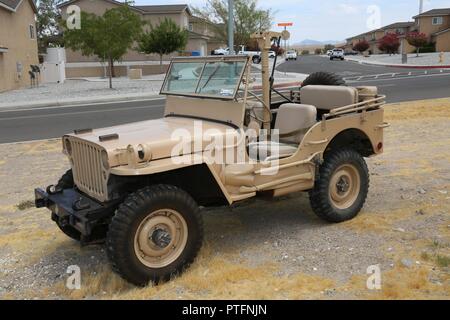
[225,275]
[211,277]
[418,110]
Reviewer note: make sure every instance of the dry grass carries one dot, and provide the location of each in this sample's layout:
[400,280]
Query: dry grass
[418,110]
[226,275]
[24,205]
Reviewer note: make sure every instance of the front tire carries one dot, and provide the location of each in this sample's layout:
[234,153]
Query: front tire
[155,234]
[342,186]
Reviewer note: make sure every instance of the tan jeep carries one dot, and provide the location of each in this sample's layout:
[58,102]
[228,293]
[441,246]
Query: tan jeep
[140,186]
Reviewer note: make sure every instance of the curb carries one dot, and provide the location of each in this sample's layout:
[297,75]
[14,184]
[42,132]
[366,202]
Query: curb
[281,85]
[78,102]
[105,99]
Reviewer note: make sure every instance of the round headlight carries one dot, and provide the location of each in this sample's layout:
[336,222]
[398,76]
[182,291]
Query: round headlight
[68,146]
[105,160]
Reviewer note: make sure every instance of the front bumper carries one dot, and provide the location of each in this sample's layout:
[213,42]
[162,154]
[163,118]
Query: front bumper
[70,207]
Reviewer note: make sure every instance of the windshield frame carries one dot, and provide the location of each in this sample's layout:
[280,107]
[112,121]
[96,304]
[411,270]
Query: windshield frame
[206,60]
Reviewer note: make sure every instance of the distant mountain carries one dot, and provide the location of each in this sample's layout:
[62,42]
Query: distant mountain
[310,42]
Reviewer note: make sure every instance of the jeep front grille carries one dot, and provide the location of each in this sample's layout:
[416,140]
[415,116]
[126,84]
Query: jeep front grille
[87,168]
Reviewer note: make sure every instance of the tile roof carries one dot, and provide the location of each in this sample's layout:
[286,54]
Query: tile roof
[435,12]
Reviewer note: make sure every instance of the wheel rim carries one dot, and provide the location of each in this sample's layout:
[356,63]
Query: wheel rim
[344,186]
[161,238]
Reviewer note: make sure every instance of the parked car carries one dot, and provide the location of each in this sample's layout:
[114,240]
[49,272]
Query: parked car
[291,55]
[137,188]
[337,54]
[351,53]
[221,52]
[256,55]
[329,52]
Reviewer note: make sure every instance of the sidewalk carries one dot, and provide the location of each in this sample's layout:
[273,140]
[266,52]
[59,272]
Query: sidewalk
[424,61]
[82,91]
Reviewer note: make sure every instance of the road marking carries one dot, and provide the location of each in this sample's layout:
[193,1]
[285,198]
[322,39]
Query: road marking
[75,113]
[401,78]
[386,85]
[81,105]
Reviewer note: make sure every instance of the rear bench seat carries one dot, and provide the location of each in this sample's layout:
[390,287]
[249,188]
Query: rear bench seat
[328,97]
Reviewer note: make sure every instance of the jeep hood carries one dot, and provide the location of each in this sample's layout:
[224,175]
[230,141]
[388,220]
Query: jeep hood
[159,136]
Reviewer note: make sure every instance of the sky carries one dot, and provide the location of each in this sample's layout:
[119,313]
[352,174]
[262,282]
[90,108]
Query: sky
[332,19]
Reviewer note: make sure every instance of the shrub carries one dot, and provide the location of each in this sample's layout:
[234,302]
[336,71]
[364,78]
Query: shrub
[361,46]
[305,52]
[389,43]
[417,40]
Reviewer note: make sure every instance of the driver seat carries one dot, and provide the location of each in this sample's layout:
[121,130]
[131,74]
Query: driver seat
[293,122]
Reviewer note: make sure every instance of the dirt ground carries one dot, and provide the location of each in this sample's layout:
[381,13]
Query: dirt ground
[264,250]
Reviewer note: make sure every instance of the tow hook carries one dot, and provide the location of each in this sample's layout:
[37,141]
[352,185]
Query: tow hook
[52,189]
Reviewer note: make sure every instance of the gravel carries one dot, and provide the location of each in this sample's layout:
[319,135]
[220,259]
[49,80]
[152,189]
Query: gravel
[34,254]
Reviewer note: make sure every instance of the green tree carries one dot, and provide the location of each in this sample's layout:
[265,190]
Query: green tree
[108,36]
[328,47]
[248,18]
[47,18]
[163,39]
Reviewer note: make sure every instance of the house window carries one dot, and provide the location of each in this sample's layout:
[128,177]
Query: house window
[437,21]
[191,27]
[32,35]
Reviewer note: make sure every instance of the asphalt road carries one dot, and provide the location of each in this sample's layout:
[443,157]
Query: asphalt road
[42,123]
[398,84]
[52,122]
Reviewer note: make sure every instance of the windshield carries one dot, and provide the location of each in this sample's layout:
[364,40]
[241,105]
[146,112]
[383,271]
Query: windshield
[215,79]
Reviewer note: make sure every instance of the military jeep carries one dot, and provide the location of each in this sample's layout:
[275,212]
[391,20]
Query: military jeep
[140,187]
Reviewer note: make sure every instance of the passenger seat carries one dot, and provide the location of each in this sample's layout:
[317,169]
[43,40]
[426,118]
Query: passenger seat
[293,122]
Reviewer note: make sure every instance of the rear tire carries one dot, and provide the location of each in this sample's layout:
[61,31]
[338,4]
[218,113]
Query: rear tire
[323,78]
[341,188]
[155,234]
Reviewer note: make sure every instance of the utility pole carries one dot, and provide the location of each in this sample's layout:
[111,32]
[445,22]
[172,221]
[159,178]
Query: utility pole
[231,26]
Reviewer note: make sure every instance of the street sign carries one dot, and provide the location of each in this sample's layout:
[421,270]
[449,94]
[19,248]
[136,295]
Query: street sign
[286,24]
[285,35]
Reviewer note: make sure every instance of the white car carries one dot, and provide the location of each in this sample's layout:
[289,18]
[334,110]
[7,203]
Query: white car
[329,52]
[291,55]
[221,52]
[337,54]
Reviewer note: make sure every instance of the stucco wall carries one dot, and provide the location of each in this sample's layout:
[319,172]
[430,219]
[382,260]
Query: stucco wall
[15,35]
[121,71]
[426,26]
[443,42]
[99,8]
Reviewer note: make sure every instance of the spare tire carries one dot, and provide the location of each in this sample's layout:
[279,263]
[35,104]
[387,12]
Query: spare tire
[324,78]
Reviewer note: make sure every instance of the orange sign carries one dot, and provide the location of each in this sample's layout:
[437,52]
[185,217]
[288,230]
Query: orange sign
[286,24]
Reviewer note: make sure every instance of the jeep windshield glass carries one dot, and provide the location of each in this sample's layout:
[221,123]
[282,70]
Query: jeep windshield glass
[214,79]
